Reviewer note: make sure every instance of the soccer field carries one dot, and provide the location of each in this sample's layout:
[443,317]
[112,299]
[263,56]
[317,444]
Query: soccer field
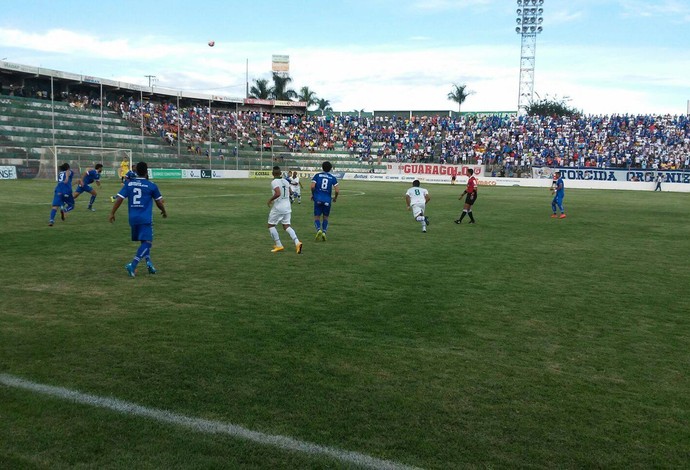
[521,341]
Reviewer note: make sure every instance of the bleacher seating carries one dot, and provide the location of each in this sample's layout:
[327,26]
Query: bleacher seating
[26,132]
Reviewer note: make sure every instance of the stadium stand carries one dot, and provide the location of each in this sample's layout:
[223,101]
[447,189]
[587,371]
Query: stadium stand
[250,138]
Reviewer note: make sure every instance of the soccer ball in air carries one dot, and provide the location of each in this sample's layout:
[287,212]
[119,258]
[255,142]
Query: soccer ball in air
[211,43]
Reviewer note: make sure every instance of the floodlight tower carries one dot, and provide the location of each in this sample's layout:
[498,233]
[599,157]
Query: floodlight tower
[529,20]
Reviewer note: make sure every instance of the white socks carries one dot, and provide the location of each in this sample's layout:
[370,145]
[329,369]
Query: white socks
[274,235]
[290,231]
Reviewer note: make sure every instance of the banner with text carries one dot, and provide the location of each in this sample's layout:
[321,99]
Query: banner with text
[607,174]
[261,174]
[8,173]
[433,169]
[165,173]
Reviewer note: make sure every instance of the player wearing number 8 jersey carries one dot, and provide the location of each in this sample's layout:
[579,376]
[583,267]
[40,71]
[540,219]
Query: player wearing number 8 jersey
[281,211]
[141,194]
[322,186]
[416,198]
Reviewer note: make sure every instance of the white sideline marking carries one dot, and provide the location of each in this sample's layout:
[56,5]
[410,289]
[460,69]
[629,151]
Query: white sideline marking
[352,192]
[204,425]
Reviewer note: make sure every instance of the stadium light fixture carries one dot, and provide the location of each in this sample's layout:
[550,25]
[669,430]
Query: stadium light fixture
[529,23]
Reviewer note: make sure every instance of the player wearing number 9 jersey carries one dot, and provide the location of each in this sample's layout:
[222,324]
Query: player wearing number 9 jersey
[322,186]
[141,194]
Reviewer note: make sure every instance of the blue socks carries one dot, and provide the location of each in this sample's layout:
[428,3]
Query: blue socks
[325,225]
[142,252]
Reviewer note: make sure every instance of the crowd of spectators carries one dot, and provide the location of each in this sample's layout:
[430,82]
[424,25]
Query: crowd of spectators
[506,143]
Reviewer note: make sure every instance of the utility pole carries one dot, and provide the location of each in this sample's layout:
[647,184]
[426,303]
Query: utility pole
[152,79]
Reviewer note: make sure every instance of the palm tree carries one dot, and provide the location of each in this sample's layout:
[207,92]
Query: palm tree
[260,89]
[280,90]
[307,95]
[459,94]
[323,105]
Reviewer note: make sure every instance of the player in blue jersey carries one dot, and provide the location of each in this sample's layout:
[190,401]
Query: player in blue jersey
[558,190]
[128,176]
[89,177]
[140,194]
[62,198]
[322,186]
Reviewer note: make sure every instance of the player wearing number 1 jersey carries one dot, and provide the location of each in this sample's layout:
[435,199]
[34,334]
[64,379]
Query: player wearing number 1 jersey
[322,186]
[141,194]
[281,211]
[416,198]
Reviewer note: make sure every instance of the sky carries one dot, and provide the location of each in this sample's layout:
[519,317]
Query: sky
[599,56]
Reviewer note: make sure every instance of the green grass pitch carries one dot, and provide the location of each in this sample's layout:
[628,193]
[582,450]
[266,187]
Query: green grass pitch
[521,341]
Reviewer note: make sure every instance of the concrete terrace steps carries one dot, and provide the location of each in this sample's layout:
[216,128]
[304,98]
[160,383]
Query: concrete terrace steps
[108,116]
[18,131]
[12,115]
[26,129]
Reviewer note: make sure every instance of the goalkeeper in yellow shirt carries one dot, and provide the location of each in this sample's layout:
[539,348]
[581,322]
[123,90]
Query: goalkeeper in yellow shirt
[124,168]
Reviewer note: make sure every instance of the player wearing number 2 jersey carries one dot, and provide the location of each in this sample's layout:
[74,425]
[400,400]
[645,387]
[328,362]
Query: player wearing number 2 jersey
[141,194]
[322,186]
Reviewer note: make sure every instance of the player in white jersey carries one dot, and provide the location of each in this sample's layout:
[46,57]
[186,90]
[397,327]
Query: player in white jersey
[295,188]
[416,198]
[281,212]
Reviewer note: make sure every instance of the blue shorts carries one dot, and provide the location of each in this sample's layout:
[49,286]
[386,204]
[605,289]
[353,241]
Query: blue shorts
[60,199]
[84,189]
[322,208]
[142,233]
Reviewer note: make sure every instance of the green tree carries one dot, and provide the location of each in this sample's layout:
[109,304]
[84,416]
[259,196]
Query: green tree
[459,94]
[280,90]
[323,105]
[551,107]
[308,96]
[260,89]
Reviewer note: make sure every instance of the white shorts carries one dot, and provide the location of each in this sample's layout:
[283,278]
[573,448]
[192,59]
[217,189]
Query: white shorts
[417,209]
[296,190]
[276,218]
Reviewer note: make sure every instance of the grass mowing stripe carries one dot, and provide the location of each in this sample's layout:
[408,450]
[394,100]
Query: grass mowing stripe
[204,425]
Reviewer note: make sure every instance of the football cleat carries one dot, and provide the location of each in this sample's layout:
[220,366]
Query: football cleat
[112,199]
[562,216]
[50,223]
[91,209]
[424,231]
[457,221]
[318,235]
[298,248]
[553,216]
[130,270]
[426,220]
[276,249]
[62,214]
[323,236]
[151,268]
